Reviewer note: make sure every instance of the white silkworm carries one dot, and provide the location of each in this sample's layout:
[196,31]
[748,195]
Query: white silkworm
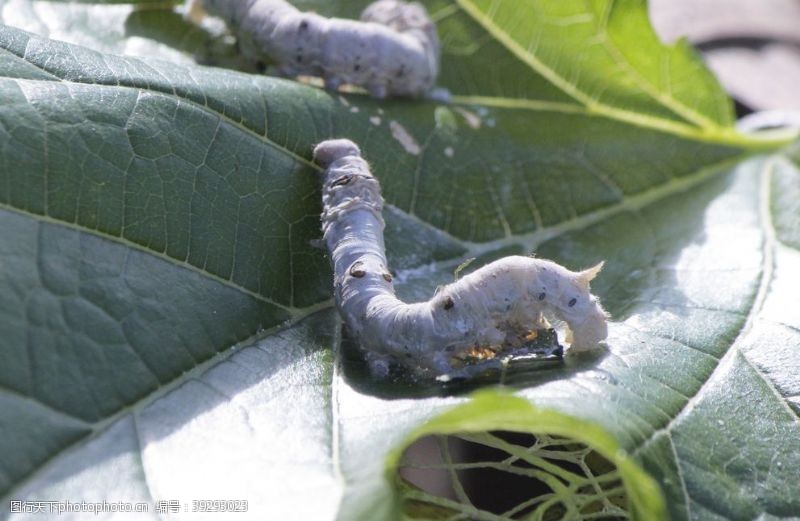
[498,304]
[392,51]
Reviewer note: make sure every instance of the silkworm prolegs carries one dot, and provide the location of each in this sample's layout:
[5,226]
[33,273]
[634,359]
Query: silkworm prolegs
[497,304]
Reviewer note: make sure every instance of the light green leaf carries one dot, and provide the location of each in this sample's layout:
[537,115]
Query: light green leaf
[154,214]
[642,82]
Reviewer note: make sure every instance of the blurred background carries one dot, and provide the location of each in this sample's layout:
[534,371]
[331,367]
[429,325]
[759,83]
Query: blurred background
[753,46]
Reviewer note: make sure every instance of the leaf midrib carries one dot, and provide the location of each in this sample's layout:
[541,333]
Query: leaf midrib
[665,99]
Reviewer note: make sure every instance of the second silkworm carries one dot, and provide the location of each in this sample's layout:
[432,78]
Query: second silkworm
[392,51]
[498,304]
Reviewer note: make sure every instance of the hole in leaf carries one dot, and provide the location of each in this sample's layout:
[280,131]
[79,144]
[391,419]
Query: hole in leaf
[505,475]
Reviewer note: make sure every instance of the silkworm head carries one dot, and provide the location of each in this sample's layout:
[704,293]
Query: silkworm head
[590,332]
[573,303]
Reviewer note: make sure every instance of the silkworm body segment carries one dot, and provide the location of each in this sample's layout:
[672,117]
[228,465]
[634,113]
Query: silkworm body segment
[393,51]
[497,304]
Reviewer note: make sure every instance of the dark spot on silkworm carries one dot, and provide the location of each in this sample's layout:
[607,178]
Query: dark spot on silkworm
[341,181]
[542,295]
[448,303]
[387,277]
[357,67]
[303,25]
[299,58]
[357,270]
[572,302]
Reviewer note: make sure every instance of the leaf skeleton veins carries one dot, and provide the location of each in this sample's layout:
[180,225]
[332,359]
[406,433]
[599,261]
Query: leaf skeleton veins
[498,304]
[392,51]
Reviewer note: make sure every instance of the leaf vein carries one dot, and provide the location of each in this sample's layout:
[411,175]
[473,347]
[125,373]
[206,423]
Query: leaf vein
[121,240]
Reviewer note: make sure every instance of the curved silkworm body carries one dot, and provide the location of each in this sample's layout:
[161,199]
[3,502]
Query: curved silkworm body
[392,51]
[498,304]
